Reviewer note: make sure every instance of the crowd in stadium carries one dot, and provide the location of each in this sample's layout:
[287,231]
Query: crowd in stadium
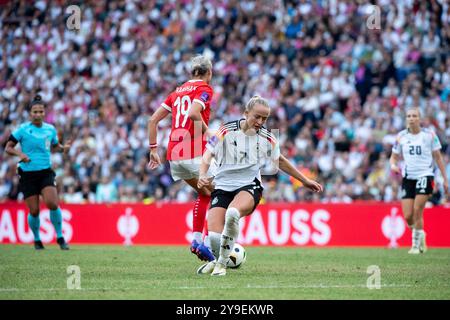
[338,87]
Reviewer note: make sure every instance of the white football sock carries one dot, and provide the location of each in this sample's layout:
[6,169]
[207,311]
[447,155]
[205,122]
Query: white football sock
[421,233]
[229,234]
[198,237]
[416,236]
[214,239]
[207,242]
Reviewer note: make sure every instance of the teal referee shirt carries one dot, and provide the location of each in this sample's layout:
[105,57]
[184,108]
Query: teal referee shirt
[36,143]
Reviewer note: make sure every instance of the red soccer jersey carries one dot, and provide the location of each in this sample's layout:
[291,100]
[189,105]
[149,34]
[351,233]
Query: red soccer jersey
[186,139]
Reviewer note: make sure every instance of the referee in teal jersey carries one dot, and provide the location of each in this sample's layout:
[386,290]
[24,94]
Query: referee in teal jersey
[37,139]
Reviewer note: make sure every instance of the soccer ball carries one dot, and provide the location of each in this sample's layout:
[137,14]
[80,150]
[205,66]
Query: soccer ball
[238,256]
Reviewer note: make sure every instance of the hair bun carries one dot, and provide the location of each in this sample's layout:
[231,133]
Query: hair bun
[37,98]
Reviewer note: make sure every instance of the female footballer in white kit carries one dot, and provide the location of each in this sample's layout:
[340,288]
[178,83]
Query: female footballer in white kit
[418,146]
[241,148]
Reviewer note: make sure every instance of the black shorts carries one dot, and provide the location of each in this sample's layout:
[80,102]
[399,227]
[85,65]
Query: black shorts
[222,199]
[32,182]
[411,188]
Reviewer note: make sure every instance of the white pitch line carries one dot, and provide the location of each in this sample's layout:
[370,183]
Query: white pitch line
[314,286]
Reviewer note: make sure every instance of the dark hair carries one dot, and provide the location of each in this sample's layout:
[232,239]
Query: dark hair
[37,100]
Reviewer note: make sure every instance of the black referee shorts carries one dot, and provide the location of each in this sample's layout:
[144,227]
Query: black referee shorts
[222,199]
[32,182]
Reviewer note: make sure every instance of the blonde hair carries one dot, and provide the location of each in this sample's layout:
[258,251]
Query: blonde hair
[200,65]
[254,101]
[416,109]
[413,109]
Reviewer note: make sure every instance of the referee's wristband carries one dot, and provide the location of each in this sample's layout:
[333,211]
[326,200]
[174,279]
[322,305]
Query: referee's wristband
[153,146]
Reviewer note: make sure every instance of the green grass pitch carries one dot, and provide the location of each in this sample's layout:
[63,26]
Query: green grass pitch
[160,273]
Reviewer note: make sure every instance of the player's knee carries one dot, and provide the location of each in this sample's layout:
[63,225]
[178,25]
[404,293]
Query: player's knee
[214,225]
[52,205]
[233,215]
[409,215]
[418,210]
[34,212]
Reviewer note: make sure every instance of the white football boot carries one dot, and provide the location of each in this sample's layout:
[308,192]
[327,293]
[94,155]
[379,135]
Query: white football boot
[414,250]
[206,268]
[219,270]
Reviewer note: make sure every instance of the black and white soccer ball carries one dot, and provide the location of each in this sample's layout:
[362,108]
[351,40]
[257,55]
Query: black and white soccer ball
[238,256]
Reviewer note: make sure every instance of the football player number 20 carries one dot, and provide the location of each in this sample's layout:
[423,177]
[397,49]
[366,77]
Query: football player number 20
[183,104]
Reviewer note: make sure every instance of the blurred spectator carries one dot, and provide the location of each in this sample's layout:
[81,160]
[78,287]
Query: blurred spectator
[338,89]
[71,196]
[106,191]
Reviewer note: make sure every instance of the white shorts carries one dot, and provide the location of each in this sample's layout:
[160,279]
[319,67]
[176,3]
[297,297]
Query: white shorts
[189,168]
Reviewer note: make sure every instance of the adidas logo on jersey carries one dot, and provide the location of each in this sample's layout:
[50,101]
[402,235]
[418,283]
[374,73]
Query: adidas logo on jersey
[215,200]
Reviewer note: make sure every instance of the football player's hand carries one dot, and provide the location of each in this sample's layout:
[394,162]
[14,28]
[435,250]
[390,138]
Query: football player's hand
[313,185]
[67,146]
[155,161]
[24,158]
[395,169]
[204,181]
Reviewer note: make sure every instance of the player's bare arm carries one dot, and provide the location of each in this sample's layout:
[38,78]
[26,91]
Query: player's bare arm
[440,163]
[12,151]
[195,115]
[153,122]
[288,168]
[62,147]
[394,162]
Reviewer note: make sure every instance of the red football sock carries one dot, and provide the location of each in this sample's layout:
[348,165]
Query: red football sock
[205,229]
[200,209]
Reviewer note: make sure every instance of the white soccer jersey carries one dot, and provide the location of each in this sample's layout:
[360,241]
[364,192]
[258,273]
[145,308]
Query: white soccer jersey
[417,152]
[240,157]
